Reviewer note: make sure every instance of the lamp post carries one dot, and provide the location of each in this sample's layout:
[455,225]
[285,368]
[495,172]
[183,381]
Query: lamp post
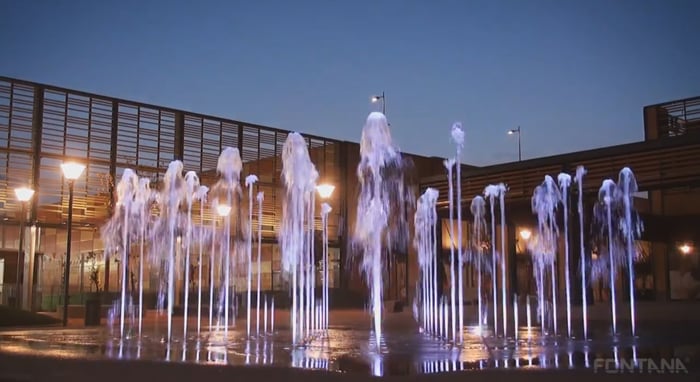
[517,131]
[325,190]
[71,171]
[376,98]
[23,195]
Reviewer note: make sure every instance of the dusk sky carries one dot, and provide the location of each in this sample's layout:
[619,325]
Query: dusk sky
[573,74]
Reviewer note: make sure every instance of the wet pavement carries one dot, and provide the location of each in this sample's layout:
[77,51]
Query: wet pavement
[349,347]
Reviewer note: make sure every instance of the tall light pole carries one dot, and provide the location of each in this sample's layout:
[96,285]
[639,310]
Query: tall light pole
[71,171]
[23,195]
[376,98]
[517,131]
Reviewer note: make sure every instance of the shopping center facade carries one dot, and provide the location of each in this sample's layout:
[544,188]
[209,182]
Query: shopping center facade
[42,126]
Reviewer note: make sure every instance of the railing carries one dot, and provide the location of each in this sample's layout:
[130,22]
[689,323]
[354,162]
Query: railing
[676,118]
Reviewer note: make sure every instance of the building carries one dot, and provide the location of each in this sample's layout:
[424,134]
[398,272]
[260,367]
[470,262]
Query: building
[41,126]
[667,169]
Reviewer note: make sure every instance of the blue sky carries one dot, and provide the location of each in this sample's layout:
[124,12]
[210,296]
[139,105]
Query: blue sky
[574,74]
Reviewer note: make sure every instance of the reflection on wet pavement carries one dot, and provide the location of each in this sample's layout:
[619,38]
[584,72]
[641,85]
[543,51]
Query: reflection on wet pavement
[354,350]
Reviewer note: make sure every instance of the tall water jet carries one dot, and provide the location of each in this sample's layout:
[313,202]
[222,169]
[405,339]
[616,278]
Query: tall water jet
[171,198]
[228,193]
[260,198]
[143,205]
[458,138]
[504,301]
[126,192]
[382,189]
[631,229]
[478,210]
[580,172]
[424,240]
[606,195]
[249,182]
[325,210]
[299,176]
[545,200]
[192,184]
[201,196]
[564,184]
[212,259]
[492,192]
[449,164]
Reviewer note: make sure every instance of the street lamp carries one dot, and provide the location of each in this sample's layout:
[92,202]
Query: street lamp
[71,171]
[525,234]
[685,249]
[325,190]
[223,210]
[376,98]
[23,195]
[517,131]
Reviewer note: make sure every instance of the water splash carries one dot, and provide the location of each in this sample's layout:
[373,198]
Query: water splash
[250,180]
[449,165]
[545,200]
[492,192]
[606,195]
[260,198]
[580,173]
[192,186]
[631,227]
[381,224]
[458,138]
[564,184]
[425,242]
[478,210]
[299,176]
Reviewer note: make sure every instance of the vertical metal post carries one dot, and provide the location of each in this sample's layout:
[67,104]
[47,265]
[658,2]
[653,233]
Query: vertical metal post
[20,257]
[520,153]
[66,275]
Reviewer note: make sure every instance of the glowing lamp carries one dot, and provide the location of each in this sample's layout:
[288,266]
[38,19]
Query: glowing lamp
[685,249]
[72,170]
[24,193]
[223,209]
[525,234]
[325,190]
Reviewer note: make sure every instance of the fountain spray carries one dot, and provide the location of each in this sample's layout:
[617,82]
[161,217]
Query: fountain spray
[126,190]
[170,205]
[229,168]
[631,230]
[382,189]
[249,182]
[260,199]
[192,184]
[564,184]
[299,176]
[143,200]
[580,172]
[504,301]
[202,197]
[545,199]
[449,164]
[424,241]
[212,259]
[478,210]
[458,138]
[606,195]
[492,192]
